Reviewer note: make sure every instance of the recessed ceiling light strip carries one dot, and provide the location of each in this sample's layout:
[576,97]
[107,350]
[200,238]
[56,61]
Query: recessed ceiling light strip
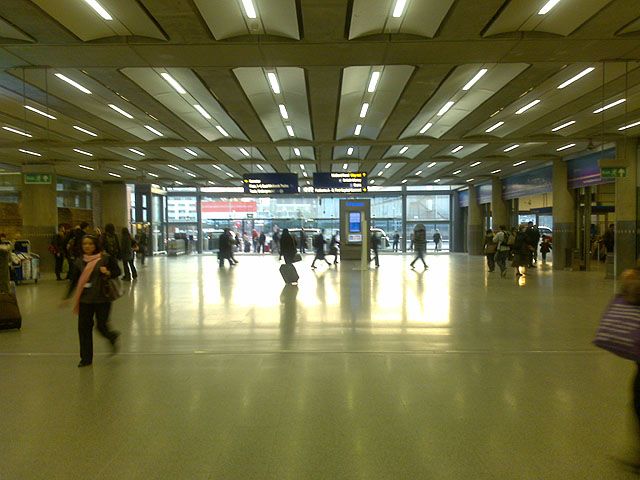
[565,147]
[84,130]
[120,111]
[527,107]
[19,132]
[494,127]
[611,105]
[73,83]
[99,9]
[40,112]
[249,9]
[447,106]
[475,79]
[373,81]
[548,6]
[564,125]
[586,71]
[137,152]
[202,111]
[154,131]
[512,147]
[398,10]
[83,152]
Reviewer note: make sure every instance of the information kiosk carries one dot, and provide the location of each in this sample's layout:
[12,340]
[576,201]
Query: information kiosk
[355,220]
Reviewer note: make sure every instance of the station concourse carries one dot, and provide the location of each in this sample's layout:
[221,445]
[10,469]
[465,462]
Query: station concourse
[194,142]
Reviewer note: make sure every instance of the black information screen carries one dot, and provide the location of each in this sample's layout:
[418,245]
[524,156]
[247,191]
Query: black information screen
[340,182]
[270,183]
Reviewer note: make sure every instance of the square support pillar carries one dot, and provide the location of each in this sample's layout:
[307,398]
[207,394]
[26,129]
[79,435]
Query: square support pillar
[564,226]
[115,205]
[475,228]
[626,206]
[499,208]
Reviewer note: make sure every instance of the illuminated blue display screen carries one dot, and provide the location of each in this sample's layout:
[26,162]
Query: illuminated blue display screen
[355,222]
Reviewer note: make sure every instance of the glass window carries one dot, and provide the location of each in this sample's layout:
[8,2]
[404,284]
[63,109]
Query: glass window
[428,207]
[73,194]
[182,209]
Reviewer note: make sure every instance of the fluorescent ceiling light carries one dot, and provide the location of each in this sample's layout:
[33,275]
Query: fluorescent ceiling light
[437,180]
[358,129]
[445,108]
[517,164]
[548,6]
[364,110]
[244,152]
[40,112]
[571,145]
[283,111]
[229,174]
[273,80]
[345,166]
[475,164]
[83,152]
[388,165]
[217,167]
[564,125]
[84,130]
[301,166]
[172,166]
[19,132]
[190,152]
[99,9]
[222,131]
[512,147]
[419,172]
[73,83]
[290,131]
[29,152]
[475,79]
[372,181]
[191,174]
[210,182]
[115,175]
[129,167]
[399,8]
[470,180]
[153,130]
[373,82]
[249,9]
[496,171]
[137,152]
[296,150]
[527,107]
[304,174]
[431,165]
[86,168]
[457,172]
[350,151]
[404,181]
[120,111]
[178,183]
[174,83]
[403,150]
[426,127]
[380,173]
[586,71]
[631,125]
[202,111]
[261,168]
[494,127]
[457,149]
[152,174]
[611,105]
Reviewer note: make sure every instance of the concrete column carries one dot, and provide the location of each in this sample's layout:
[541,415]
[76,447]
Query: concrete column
[115,205]
[475,230]
[626,206]
[457,235]
[564,226]
[40,213]
[499,209]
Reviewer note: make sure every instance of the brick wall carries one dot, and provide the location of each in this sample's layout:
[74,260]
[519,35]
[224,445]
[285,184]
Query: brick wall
[10,220]
[74,216]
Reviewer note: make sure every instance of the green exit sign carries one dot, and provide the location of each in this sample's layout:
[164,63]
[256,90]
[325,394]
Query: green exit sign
[38,178]
[613,172]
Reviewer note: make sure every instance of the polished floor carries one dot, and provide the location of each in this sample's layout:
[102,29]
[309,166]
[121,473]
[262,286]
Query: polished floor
[453,373]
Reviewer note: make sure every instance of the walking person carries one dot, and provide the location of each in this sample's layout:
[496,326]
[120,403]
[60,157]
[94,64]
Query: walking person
[375,247]
[501,239]
[419,238]
[303,241]
[58,249]
[521,252]
[90,274]
[437,240]
[225,248]
[142,239]
[396,241]
[127,252]
[318,245]
[490,250]
[545,248]
[334,247]
[262,240]
[288,246]
[109,242]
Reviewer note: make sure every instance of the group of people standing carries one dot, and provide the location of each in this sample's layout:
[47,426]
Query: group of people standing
[519,245]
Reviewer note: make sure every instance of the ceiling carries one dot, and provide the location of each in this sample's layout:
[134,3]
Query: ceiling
[201,92]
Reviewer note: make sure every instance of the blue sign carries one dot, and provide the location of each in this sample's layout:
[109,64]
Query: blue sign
[355,204]
[484,193]
[340,182]
[270,183]
[585,171]
[463,198]
[534,182]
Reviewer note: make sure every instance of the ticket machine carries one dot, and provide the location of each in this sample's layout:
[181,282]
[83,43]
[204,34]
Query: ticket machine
[355,220]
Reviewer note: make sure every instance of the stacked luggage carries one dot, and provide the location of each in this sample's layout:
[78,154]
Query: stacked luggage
[25,265]
[9,311]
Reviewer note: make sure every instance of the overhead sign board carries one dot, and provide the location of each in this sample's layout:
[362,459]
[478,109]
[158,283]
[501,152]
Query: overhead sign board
[270,183]
[38,178]
[340,182]
[613,172]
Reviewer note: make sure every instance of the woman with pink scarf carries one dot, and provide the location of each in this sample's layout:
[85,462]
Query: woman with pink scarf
[89,301]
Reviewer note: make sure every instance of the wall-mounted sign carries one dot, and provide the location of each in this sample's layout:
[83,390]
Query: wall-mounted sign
[613,172]
[270,183]
[38,178]
[340,182]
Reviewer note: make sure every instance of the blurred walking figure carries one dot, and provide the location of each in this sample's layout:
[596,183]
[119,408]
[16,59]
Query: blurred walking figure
[501,239]
[490,249]
[288,246]
[375,246]
[58,248]
[225,248]
[419,236]
[318,245]
[303,241]
[334,247]
[437,239]
[396,241]
[109,241]
[127,249]
[142,240]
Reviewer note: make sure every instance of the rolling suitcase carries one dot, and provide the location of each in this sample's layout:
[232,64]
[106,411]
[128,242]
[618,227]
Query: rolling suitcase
[289,273]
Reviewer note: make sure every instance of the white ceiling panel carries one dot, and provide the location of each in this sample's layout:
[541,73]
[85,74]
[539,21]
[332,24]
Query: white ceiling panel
[359,152]
[128,19]
[9,31]
[182,154]
[288,153]
[293,95]
[632,28]
[351,167]
[227,18]
[259,168]
[566,17]
[354,92]
[453,150]
[236,154]
[412,151]
[420,17]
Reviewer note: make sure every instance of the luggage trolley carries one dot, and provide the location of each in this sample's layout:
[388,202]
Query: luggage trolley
[25,265]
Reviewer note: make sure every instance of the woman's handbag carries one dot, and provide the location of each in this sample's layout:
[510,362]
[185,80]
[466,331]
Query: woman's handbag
[619,330]
[112,288]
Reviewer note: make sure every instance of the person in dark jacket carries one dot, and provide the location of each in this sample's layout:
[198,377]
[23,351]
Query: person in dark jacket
[109,241]
[374,239]
[288,247]
[90,274]
[334,247]
[127,248]
[303,241]
[142,239]
[318,245]
[609,238]
[262,240]
[58,249]
[419,243]
[396,241]
[225,245]
[521,252]
[490,249]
